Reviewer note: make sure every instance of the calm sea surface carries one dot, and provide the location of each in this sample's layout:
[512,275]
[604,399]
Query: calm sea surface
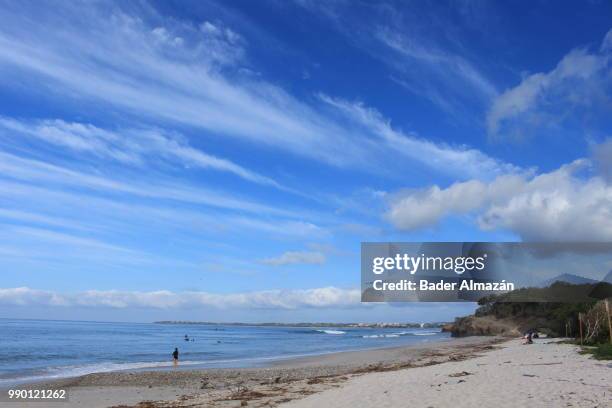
[32,350]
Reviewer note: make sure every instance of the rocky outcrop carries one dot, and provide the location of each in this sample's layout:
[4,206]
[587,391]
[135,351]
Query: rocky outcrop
[493,326]
[482,326]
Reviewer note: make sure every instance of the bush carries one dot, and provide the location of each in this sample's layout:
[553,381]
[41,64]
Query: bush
[600,351]
[595,324]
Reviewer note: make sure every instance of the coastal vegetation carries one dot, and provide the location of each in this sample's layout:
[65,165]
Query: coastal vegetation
[542,309]
[601,351]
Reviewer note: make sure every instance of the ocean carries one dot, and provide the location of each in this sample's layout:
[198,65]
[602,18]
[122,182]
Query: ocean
[35,350]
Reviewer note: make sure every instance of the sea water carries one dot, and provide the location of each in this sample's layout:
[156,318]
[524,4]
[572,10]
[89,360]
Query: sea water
[35,350]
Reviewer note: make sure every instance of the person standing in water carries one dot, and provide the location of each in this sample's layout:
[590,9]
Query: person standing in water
[175,355]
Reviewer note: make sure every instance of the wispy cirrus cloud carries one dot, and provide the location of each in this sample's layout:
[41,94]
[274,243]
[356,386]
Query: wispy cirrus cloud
[81,211]
[271,299]
[460,161]
[148,73]
[166,72]
[296,257]
[423,46]
[128,146]
[33,244]
[38,218]
[440,70]
[177,82]
[30,170]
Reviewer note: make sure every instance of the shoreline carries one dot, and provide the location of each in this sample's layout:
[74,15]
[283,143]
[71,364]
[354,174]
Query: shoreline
[222,387]
[188,365]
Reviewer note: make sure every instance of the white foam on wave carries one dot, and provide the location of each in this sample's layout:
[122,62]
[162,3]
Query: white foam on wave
[380,336]
[404,333]
[332,331]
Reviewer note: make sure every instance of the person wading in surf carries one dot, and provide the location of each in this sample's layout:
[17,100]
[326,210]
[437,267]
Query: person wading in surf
[175,355]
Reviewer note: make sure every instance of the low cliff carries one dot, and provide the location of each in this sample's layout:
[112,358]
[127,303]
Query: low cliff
[504,315]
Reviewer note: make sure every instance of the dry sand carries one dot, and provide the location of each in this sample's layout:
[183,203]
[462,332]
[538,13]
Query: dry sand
[458,373]
[544,374]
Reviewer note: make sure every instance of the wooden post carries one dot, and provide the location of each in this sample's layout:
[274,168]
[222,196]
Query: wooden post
[580,322]
[609,322]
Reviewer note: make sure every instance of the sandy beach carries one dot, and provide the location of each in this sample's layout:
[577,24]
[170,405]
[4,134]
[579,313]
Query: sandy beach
[456,373]
[545,374]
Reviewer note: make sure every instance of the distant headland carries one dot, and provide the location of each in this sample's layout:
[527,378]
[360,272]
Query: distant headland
[312,324]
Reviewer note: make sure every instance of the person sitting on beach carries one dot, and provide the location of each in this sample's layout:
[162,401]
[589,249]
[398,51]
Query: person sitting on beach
[527,338]
[175,355]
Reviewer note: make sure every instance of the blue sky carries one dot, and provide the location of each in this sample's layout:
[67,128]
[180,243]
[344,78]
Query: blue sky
[224,160]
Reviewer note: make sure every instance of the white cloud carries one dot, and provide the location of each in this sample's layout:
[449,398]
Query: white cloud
[558,206]
[26,216]
[423,208]
[131,146]
[162,35]
[220,32]
[296,257]
[36,246]
[435,66]
[178,84]
[35,239]
[69,240]
[458,161]
[132,70]
[40,172]
[271,299]
[25,296]
[81,211]
[577,80]
[287,227]
[445,67]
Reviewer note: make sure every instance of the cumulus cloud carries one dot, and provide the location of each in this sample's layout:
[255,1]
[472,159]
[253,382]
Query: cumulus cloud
[421,208]
[296,257]
[271,299]
[570,203]
[577,80]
